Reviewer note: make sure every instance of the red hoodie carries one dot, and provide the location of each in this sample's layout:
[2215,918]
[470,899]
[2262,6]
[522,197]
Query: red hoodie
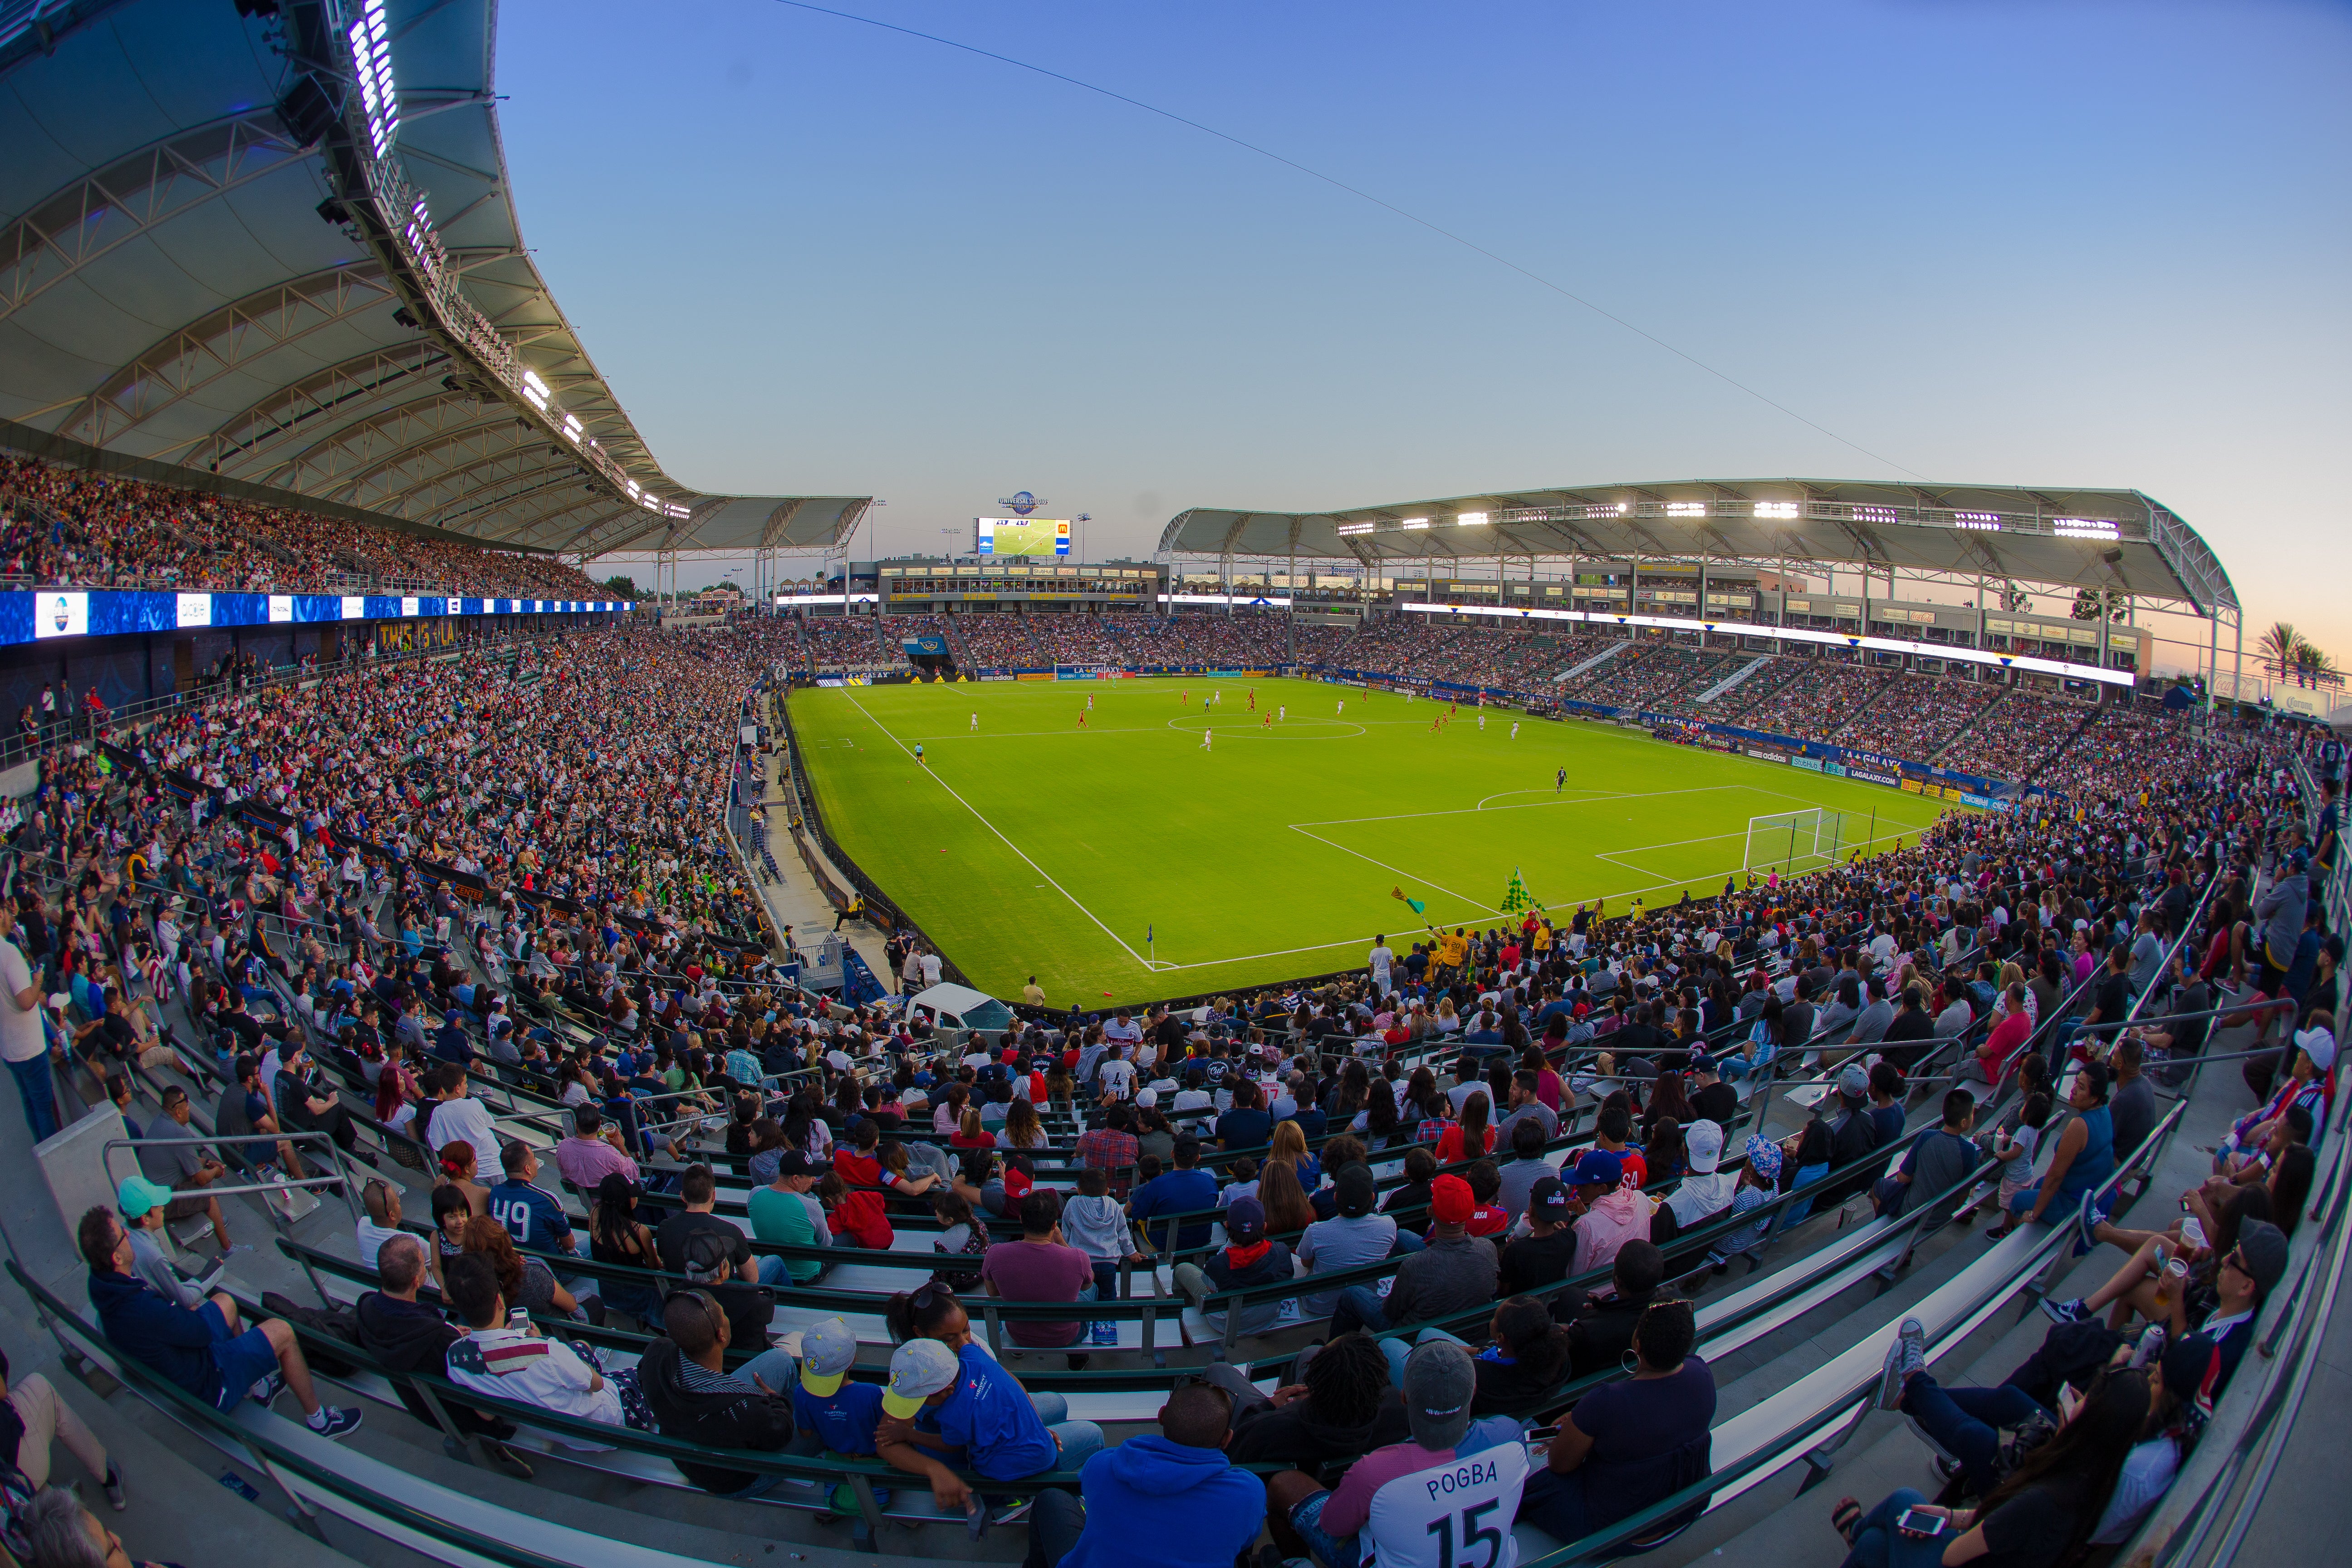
[859,1216]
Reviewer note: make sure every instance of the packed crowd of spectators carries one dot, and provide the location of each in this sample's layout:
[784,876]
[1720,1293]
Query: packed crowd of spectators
[848,642]
[2121,739]
[597,789]
[1664,677]
[1826,694]
[601,779]
[69,527]
[2016,736]
[1917,716]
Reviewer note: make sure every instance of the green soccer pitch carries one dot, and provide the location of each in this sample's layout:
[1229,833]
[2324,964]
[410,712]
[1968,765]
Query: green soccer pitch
[1121,861]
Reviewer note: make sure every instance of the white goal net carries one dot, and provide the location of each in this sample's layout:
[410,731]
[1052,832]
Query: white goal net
[1790,842]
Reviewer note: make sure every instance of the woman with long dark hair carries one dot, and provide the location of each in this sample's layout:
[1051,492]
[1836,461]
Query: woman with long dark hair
[2038,1514]
[1667,1100]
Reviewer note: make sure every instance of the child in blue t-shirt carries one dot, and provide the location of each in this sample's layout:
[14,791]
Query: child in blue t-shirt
[831,1414]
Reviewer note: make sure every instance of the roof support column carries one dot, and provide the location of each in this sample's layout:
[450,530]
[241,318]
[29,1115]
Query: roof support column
[2212,657]
[2238,659]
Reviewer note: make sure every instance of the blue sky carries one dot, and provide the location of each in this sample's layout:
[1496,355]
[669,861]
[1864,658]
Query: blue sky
[2050,244]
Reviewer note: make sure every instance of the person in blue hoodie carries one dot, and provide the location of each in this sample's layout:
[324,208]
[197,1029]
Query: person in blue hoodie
[203,1351]
[1168,1500]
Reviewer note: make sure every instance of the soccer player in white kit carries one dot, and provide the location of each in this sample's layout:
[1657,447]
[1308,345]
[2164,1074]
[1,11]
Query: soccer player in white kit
[1514,729]
[1343,707]
[1091,702]
[1482,720]
[1206,736]
[1282,712]
[975,721]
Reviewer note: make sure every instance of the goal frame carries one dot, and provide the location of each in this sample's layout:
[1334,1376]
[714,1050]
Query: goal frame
[1793,842]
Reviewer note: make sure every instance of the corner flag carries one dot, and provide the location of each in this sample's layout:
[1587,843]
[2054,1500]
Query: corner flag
[1414,904]
[1516,898]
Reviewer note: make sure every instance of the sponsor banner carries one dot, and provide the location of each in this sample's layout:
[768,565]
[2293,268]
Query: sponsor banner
[57,615]
[1768,754]
[994,674]
[1872,775]
[192,609]
[1981,802]
[1912,786]
[1032,675]
[281,608]
[1811,765]
[831,681]
[1835,770]
[2002,804]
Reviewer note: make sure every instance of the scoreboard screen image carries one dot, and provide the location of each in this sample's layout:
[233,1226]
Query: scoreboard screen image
[1022,535]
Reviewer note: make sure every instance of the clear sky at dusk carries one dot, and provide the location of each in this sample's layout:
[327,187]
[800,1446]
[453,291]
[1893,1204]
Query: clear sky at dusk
[2040,243]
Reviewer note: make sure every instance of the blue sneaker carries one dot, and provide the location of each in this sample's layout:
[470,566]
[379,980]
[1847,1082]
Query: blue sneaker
[266,1392]
[334,1421]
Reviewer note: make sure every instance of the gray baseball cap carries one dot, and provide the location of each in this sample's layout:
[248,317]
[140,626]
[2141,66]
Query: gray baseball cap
[1440,1380]
[828,1350]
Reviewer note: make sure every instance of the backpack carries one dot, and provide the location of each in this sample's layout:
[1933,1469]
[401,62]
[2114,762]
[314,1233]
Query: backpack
[318,1322]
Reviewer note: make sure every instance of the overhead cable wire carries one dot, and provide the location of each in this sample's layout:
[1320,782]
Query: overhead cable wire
[1361,195]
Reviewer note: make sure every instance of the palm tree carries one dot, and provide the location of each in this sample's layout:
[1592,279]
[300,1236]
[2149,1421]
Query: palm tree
[2276,647]
[2311,662]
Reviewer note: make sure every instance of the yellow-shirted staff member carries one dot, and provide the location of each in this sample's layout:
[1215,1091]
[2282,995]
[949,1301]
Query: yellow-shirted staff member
[855,909]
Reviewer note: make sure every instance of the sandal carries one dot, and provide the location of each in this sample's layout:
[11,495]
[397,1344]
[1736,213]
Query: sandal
[1844,1517]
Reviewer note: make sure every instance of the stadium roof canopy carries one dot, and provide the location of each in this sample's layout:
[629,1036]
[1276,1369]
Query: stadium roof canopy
[2042,538]
[210,267]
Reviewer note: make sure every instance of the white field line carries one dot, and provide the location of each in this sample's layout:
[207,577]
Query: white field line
[1585,798]
[1468,810]
[1398,870]
[983,821]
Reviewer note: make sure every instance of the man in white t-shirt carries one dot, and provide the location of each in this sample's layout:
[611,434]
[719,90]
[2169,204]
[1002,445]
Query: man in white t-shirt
[1383,962]
[460,1116]
[381,1221]
[930,970]
[23,1044]
[1122,1031]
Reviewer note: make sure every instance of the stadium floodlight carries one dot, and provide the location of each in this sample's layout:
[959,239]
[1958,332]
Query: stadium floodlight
[1776,509]
[1791,842]
[535,389]
[573,428]
[1471,520]
[1414,522]
[1982,522]
[2085,528]
[1348,530]
[1687,508]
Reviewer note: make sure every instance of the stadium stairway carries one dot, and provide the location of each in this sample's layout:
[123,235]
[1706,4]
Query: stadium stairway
[1595,662]
[1731,682]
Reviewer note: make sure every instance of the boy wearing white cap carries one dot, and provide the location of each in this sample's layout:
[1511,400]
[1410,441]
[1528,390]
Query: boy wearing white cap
[946,1407]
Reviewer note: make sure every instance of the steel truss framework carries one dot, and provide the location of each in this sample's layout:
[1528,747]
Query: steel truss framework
[175,297]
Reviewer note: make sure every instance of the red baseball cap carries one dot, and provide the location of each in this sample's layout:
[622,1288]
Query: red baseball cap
[1450,1201]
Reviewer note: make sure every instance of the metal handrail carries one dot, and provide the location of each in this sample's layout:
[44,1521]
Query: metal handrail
[343,1175]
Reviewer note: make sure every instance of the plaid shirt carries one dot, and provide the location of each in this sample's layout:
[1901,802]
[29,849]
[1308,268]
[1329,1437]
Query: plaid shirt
[1106,1149]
